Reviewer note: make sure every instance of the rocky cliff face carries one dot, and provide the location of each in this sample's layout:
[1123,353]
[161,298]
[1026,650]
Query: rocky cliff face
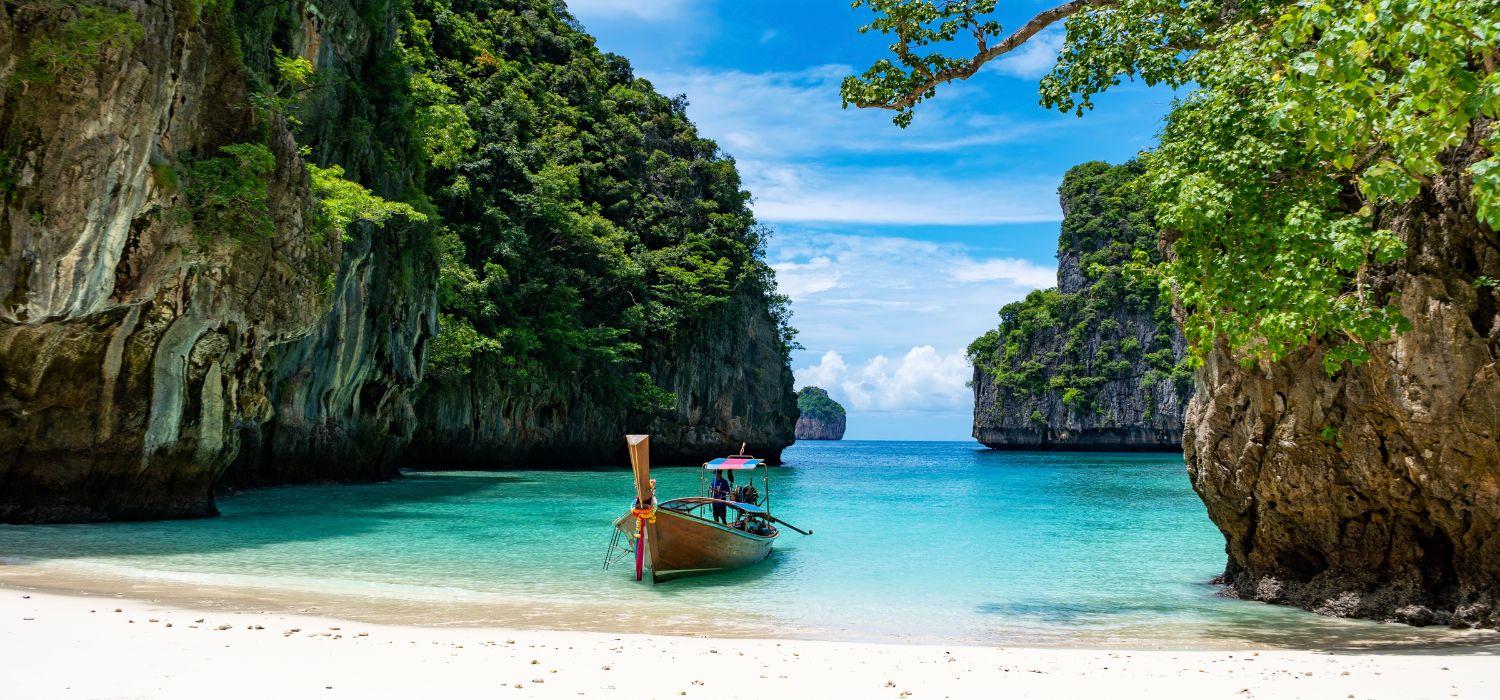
[821,418]
[809,428]
[140,357]
[342,393]
[1095,364]
[729,383]
[150,353]
[1375,493]
[600,259]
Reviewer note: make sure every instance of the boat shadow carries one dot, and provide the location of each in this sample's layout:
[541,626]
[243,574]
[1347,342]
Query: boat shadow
[696,585]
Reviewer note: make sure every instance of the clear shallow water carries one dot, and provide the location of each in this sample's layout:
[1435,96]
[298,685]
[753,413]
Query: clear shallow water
[913,541]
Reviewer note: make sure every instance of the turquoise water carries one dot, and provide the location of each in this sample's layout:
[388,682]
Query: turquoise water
[912,541]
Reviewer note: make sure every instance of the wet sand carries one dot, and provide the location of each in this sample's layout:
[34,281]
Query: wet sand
[426,607]
[59,646]
[458,608]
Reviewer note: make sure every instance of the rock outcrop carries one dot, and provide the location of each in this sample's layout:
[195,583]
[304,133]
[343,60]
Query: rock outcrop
[1375,493]
[600,255]
[819,416]
[729,381]
[140,356]
[1095,364]
[151,353]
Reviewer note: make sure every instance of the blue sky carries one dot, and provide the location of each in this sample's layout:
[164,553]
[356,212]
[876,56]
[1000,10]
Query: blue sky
[897,246]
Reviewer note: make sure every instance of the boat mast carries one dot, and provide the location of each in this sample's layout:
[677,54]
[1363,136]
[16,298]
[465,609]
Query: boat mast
[645,497]
[640,462]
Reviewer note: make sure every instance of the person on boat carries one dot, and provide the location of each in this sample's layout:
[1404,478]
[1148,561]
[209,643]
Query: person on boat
[747,494]
[719,489]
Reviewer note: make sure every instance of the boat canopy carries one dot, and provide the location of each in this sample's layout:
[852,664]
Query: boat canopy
[733,463]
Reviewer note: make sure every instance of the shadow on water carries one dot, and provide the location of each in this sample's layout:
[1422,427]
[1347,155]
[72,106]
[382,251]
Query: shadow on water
[1294,628]
[424,488]
[622,468]
[258,518]
[728,581]
[1071,614]
[1359,637]
[1246,623]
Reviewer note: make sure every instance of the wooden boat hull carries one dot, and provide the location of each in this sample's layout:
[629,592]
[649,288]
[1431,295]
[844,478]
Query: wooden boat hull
[680,545]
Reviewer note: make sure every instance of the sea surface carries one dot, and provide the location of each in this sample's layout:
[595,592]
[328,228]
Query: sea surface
[912,542]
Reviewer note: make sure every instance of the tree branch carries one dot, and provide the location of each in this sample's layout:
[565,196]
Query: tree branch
[984,53]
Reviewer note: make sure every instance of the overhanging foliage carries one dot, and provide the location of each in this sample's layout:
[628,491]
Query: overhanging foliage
[1306,124]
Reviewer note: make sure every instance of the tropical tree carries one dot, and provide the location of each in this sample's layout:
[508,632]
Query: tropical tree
[1303,125]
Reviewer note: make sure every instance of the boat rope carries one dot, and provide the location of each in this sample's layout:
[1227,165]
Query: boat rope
[644,513]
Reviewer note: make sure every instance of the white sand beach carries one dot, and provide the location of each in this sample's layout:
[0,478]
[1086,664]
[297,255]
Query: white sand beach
[71,646]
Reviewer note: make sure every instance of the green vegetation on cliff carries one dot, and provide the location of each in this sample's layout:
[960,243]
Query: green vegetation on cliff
[254,322]
[227,195]
[583,218]
[815,403]
[580,218]
[583,229]
[84,34]
[1275,177]
[1107,225]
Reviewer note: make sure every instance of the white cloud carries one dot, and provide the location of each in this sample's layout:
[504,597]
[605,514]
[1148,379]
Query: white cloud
[647,10]
[829,372]
[914,195]
[894,271]
[798,280]
[868,299]
[768,35]
[1035,58]
[859,298]
[796,114]
[807,159]
[922,380]
[1022,272]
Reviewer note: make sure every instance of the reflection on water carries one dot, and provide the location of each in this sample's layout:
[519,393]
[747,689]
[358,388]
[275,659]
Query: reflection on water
[914,542]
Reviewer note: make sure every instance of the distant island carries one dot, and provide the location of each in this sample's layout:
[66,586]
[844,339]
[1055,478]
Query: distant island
[821,417]
[1094,363]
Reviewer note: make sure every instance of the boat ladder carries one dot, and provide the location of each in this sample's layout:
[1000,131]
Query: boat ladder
[617,549]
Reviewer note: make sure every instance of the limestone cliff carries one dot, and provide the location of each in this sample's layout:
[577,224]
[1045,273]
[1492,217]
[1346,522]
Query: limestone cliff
[1095,364]
[176,314]
[602,273]
[1375,493]
[729,385]
[139,353]
[820,417]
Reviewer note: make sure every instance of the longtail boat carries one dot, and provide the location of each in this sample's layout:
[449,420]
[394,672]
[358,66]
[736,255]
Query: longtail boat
[724,530]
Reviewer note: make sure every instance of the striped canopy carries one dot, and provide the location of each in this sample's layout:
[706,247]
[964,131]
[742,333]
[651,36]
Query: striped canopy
[733,463]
